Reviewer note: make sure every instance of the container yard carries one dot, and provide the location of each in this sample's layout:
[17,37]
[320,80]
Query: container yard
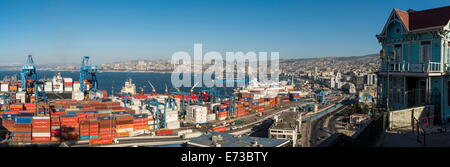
[29,116]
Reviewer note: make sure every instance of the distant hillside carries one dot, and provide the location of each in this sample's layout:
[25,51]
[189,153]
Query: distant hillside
[364,57]
[165,65]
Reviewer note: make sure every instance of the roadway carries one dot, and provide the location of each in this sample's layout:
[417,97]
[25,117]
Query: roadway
[323,127]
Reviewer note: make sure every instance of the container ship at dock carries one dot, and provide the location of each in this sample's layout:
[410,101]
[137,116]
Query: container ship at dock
[52,111]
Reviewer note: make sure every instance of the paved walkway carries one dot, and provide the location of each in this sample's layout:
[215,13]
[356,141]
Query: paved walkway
[405,138]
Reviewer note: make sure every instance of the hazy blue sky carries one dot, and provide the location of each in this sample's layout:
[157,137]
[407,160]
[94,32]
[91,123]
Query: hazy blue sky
[62,31]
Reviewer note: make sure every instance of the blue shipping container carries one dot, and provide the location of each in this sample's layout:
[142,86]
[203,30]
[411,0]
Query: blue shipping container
[26,114]
[84,137]
[5,116]
[104,118]
[24,120]
[93,136]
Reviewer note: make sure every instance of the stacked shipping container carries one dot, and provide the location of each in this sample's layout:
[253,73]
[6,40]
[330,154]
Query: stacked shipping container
[124,125]
[41,128]
[22,129]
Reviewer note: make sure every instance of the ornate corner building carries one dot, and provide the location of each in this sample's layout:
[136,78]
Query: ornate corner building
[415,57]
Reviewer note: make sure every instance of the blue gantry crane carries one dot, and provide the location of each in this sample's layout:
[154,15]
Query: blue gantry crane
[88,74]
[127,99]
[29,78]
[30,84]
[158,115]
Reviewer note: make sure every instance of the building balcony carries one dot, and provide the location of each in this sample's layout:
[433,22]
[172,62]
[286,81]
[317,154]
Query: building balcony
[428,68]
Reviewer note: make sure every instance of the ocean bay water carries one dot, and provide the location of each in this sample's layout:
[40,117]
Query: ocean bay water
[115,80]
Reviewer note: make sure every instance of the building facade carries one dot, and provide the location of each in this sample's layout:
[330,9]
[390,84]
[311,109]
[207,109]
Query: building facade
[286,126]
[415,58]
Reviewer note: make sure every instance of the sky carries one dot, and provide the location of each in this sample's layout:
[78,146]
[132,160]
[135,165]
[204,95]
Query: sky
[62,31]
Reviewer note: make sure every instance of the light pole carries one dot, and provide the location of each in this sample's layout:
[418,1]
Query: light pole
[388,62]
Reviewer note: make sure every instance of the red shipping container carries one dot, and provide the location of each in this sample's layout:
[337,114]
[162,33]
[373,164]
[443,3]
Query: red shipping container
[164,132]
[68,120]
[84,134]
[220,129]
[55,124]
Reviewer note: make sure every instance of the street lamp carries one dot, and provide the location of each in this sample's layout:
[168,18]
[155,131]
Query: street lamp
[388,62]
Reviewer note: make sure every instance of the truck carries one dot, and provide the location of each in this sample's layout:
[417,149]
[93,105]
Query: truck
[191,135]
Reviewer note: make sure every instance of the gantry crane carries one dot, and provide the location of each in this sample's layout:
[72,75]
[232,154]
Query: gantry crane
[88,74]
[126,99]
[29,78]
[157,115]
[30,84]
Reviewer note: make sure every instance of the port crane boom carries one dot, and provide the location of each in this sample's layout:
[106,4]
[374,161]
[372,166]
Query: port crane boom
[153,88]
[88,74]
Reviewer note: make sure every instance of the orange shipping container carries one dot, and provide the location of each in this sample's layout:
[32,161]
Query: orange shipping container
[124,126]
[123,134]
[40,138]
[100,141]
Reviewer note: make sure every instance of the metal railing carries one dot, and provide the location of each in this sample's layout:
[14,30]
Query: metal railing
[434,67]
[428,67]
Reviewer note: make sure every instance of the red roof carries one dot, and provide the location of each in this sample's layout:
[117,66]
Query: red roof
[436,17]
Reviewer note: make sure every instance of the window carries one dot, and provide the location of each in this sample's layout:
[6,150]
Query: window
[425,51]
[399,52]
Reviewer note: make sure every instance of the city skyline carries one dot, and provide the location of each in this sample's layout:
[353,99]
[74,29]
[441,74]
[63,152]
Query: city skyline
[109,31]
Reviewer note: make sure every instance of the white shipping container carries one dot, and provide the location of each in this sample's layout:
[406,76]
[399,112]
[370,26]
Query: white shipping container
[196,114]
[192,135]
[173,125]
[211,117]
[77,95]
[40,134]
[58,87]
[20,96]
[68,89]
[41,117]
[48,86]
[68,80]
[76,86]
[221,118]
[124,130]
[181,132]
[4,87]
[171,117]
[139,132]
